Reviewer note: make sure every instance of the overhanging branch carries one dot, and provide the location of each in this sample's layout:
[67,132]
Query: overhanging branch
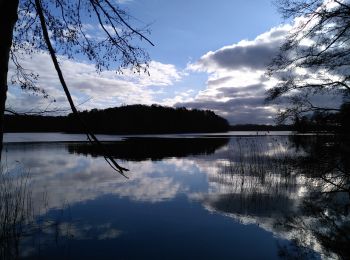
[91,137]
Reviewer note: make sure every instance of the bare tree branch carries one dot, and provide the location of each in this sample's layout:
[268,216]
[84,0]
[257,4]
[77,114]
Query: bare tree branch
[326,27]
[89,134]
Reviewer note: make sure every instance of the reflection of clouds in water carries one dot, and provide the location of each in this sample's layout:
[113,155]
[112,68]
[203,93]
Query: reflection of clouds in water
[253,189]
[266,212]
[154,189]
[109,234]
[247,194]
[92,178]
[60,235]
[246,198]
[184,166]
[270,224]
[64,177]
[76,178]
[80,231]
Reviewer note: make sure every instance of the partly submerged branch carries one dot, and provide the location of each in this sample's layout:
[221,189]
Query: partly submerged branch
[91,137]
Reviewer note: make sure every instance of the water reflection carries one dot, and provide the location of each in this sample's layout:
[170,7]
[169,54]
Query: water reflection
[24,226]
[324,211]
[193,191]
[300,193]
[140,149]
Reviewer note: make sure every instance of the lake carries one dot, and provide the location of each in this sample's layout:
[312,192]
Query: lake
[237,195]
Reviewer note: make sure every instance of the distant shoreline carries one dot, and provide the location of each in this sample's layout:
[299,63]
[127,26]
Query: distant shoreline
[142,120]
[132,119]
[234,128]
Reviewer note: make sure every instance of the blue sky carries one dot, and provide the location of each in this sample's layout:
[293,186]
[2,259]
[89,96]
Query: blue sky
[184,29]
[207,55]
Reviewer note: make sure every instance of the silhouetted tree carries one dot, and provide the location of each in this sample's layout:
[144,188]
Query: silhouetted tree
[62,22]
[314,60]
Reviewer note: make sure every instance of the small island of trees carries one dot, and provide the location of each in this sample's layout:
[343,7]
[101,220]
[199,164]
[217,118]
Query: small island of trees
[129,119]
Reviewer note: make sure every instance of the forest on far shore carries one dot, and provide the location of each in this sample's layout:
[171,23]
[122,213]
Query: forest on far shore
[155,119]
[131,119]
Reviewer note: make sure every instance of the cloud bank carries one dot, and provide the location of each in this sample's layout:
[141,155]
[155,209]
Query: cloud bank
[236,83]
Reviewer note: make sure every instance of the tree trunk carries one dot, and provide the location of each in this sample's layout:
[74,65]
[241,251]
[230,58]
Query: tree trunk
[8,19]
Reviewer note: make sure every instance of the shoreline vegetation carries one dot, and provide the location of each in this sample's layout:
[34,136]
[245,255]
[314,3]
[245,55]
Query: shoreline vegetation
[154,119]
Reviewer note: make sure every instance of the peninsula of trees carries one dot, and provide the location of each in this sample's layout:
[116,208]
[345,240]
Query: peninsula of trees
[131,119]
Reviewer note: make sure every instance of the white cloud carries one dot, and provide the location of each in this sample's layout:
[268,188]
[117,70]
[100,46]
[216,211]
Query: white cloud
[103,89]
[236,82]
[185,96]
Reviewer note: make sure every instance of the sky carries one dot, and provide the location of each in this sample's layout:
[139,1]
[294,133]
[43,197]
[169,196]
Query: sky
[207,55]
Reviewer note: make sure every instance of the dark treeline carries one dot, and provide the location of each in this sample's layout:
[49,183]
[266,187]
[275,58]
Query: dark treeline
[318,121]
[325,121]
[132,119]
[35,123]
[254,127]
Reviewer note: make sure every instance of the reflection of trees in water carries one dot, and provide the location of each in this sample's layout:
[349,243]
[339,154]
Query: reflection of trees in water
[140,149]
[303,185]
[322,223]
[22,226]
[326,160]
[324,211]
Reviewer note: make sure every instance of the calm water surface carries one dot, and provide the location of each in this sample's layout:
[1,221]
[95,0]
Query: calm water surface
[187,197]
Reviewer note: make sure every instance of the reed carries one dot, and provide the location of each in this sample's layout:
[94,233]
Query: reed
[20,220]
